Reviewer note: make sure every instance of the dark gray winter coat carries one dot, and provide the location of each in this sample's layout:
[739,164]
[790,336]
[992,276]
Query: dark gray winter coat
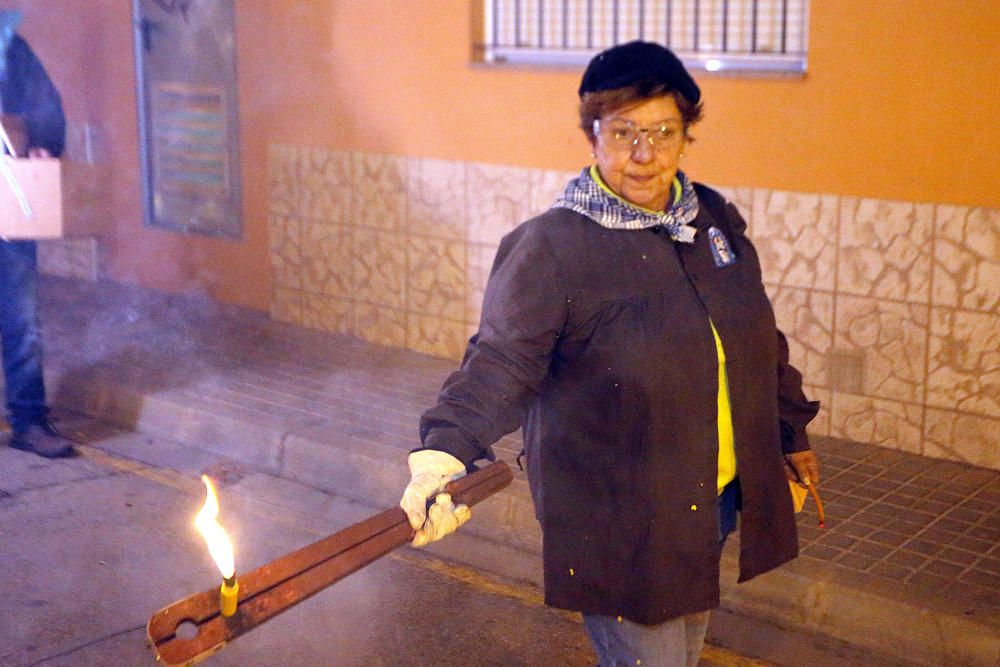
[28,91]
[598,342]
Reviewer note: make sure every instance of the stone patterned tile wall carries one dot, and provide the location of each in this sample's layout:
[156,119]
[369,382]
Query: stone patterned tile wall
[69,258]
[891,308]
[75,257]
[395,250]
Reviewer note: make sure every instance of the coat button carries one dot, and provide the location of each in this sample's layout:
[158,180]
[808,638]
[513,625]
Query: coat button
[694,508]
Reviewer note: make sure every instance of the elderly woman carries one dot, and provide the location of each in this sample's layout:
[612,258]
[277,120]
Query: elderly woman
[627,331]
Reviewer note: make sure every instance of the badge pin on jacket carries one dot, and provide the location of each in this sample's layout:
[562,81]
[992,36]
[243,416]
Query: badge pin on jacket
[722,252]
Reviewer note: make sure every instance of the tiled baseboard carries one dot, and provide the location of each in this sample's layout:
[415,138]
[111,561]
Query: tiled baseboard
[69,258]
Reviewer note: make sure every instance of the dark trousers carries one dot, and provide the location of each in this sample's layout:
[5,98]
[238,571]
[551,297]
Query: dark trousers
[19,335]
[730,502]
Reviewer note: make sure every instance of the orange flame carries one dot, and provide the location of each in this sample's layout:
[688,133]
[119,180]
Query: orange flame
[219,545]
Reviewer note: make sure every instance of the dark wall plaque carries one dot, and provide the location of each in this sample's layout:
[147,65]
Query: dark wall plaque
[188,129]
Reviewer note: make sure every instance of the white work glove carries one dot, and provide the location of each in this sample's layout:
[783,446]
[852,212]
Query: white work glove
[430,471]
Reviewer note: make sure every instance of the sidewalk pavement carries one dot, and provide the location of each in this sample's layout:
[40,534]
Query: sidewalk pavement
[907,568]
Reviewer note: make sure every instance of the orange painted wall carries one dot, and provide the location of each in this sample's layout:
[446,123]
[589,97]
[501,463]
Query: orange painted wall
[900,103]
[87,49]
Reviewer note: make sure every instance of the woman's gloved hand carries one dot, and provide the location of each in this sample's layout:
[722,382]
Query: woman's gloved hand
[430,471]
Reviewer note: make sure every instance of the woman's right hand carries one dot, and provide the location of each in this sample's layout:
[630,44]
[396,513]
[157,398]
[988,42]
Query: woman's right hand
[430,472]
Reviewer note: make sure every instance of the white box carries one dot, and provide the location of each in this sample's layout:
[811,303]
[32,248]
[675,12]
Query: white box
[64,197]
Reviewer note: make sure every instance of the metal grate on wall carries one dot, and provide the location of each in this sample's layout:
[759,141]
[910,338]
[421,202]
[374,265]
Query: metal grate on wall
[712,35]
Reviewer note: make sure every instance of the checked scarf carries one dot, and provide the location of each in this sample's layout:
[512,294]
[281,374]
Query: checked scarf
[586,196]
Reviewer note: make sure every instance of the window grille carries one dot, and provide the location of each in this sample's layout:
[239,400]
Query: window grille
[711,35]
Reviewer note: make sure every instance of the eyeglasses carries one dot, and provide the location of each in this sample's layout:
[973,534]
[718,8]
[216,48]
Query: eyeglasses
[622,134]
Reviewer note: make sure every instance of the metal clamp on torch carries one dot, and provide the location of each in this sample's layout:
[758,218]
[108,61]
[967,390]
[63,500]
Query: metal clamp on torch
[194,628]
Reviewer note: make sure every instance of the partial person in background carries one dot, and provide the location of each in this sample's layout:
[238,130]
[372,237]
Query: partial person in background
[26,92]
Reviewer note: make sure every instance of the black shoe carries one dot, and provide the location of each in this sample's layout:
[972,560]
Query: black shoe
[42,439]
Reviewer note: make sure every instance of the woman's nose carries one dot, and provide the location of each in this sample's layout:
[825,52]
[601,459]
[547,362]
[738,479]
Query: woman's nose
[642,148]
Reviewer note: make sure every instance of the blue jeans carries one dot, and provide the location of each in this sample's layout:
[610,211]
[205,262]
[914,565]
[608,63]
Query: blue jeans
[674,643]
[19,335]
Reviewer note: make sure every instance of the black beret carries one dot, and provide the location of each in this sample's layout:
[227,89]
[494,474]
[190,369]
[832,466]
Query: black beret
[630,63]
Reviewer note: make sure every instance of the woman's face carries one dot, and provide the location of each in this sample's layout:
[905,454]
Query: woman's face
[638,150]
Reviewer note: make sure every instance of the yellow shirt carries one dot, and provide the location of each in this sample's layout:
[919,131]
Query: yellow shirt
[727,448]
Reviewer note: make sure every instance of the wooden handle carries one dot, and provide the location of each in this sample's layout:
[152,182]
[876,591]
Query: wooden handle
[284,582]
